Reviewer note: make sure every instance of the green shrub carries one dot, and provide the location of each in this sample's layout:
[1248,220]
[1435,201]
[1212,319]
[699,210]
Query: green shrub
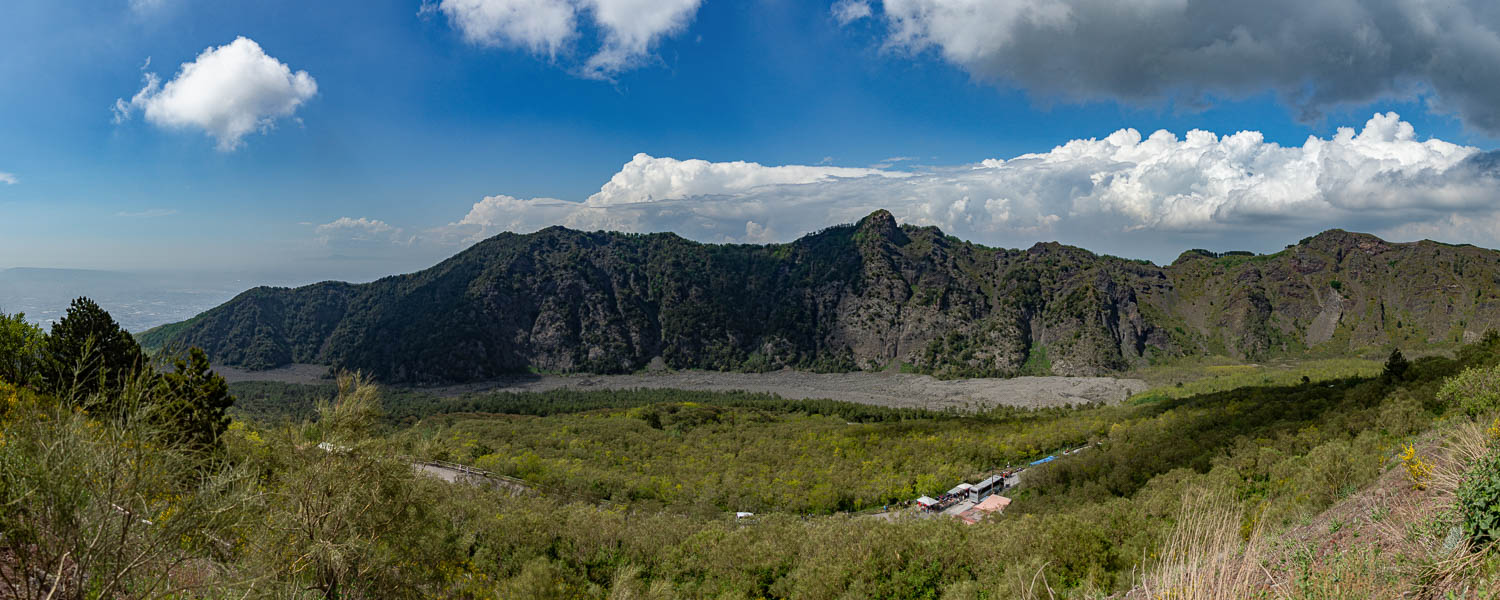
[1476,390]
[20,349]
[1334,469]
[104,498]
[1037,362]
[1479,500]
[1402,414]
[1395,366]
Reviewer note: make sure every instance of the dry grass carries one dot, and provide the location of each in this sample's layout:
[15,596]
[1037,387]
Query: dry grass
[1391,540]
[1205,558]
[1450,567]
[1465,445]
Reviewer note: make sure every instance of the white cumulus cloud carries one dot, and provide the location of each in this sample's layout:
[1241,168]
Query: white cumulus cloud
[630,28]
[627,29]
[849,11]
[1125,193]
[347,230]
[228,92]
[693,197]
[540,26]
[1317,55]
[646,178]
[494,214]
[9,178]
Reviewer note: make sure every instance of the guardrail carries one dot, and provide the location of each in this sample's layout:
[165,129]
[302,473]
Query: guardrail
[462,468]
[518,485]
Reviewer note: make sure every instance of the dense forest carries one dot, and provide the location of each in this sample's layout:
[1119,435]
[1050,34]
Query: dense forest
[871,295]
[124,480]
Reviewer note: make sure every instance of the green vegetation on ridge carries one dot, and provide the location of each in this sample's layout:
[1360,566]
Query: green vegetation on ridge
[851,297]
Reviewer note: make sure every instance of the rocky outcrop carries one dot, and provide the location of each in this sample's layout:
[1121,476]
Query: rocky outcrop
[871,295]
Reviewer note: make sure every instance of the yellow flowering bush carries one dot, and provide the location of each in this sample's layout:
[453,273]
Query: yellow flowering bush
[1417,469]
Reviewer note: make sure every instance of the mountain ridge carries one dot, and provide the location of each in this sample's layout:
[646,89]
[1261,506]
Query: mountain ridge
[869,295]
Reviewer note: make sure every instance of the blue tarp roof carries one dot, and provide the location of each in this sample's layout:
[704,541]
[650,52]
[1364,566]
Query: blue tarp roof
[1044,461]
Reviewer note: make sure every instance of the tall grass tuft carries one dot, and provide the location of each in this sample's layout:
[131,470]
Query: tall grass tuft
[1205,558]
[1454,560]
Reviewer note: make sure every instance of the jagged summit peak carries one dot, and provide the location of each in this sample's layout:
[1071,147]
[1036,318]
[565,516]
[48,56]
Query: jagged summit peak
[1342,235]
[881,218]
[1059,249]
[1339,241]
[1202,254]
[881,225]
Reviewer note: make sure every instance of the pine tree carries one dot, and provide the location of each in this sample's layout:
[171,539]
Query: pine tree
[1396,366]
[193,401]
[90,357]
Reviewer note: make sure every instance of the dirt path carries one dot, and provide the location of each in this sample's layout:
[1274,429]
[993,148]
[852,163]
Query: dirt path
[883,389]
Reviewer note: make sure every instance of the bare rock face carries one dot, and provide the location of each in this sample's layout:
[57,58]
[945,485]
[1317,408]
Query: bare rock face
[870,295]
[1322,327]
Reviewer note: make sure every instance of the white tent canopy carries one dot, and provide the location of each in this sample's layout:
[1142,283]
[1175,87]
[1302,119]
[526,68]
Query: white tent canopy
[962,488]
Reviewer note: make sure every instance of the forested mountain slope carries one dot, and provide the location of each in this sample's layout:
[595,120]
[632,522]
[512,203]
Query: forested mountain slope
[863,296]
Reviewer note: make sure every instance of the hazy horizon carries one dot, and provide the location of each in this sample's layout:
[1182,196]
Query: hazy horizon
[138,299]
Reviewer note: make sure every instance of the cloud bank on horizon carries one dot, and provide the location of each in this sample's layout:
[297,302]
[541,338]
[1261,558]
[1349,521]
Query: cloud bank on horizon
[1160,192]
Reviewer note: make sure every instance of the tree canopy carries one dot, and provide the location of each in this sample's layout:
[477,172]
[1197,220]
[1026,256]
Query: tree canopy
[20,349]
[90,357]
[91,362]
[194,401]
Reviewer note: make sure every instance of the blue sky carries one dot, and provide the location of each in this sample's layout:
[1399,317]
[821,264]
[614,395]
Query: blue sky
[419,117]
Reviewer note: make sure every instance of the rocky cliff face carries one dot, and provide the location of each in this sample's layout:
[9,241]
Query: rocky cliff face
[1337,292]
[873,295]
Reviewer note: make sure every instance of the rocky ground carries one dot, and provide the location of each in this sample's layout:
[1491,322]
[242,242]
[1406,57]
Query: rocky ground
[303,374]
[883,389]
